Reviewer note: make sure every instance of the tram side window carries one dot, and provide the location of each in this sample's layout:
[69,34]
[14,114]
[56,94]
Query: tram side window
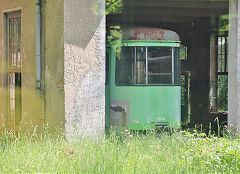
[160,70]
[125,66]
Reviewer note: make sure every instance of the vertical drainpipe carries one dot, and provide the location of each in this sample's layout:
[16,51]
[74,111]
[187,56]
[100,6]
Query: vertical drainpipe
[43,34]
[38,47]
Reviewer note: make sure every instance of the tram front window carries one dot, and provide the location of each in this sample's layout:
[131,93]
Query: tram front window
[148,66]
[160,70]
[125,66]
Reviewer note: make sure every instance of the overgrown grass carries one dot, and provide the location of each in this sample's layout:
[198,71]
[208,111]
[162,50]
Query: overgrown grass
[176,152]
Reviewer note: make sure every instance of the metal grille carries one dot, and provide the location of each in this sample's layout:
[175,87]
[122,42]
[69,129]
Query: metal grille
[14,59]
[222,55]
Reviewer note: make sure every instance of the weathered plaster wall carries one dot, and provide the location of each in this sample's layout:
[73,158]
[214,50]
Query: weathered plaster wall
[50,107]
[54,61]
[84,66]
[32,107]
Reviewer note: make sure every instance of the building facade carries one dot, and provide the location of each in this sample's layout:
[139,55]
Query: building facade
[50,56]
[23,103]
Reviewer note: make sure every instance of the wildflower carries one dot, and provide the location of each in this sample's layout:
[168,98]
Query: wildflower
[214,138]
[221,145]
[219,163]
[225,126]
[69,151]
[126,130]
[121,132]
[169,150]
[202,152]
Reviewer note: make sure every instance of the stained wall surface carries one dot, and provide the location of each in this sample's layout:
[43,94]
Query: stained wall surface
[54,62]
[49,108]
[32,107]
[84,66]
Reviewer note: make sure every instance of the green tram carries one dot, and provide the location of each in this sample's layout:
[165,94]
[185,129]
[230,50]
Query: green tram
[143,80]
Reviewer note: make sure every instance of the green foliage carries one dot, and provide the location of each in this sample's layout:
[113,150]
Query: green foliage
[114,33]
[223,93]
[183,52]
[114,37]
[178,152]
[223,24]
[113,6]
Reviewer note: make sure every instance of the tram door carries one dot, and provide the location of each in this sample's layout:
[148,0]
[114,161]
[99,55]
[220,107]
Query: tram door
[185,97]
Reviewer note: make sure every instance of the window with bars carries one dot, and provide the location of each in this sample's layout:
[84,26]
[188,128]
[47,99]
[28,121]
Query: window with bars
[222,73]
[222,55]
[14,60]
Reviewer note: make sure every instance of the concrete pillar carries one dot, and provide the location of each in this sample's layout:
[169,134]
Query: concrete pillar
[84,66]
[213,69]
[234,64]
[199,84]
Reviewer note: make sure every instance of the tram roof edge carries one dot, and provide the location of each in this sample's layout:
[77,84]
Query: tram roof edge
[144,33]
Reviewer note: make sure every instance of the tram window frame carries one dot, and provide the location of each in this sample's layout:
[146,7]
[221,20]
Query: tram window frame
[160,65]
[175,68]
[119,81]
